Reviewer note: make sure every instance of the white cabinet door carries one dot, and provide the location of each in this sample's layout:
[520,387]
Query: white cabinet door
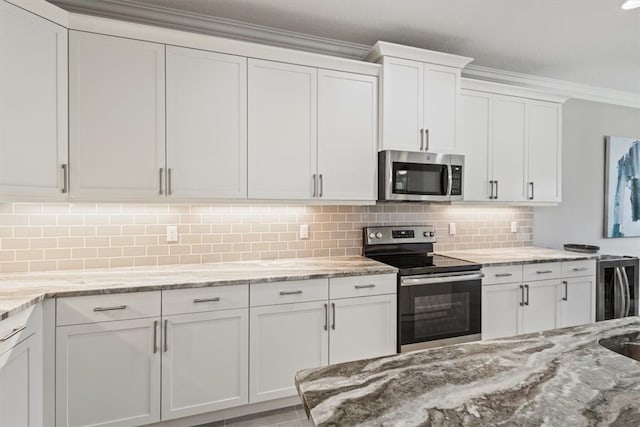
[21,385]
[441,94]
[205,362]
[543,154]
[206,124]
[108,373]
[347,122]
[282,130]
[508,147]
[33,105]
[362,327]
[402,111]
[474,138]
[501,311]
[577,302]
[283,340]
[117,111]
[540,310]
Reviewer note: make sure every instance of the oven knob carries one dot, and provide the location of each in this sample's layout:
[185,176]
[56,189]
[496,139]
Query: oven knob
[429,234]
[378,235]
[372,235]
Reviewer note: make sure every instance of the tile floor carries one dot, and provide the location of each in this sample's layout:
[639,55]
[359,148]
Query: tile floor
[293,416]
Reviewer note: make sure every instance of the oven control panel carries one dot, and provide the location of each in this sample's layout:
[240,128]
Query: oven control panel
[400,234]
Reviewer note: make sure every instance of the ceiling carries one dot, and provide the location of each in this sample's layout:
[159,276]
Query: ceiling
[591,42]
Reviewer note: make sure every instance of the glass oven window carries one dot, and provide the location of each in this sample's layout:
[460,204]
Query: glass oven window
[417,178]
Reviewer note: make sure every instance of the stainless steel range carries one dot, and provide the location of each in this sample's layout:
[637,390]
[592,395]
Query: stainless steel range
[439,298]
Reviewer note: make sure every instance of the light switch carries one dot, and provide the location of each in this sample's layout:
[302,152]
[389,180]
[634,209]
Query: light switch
[452,228]
[304,231]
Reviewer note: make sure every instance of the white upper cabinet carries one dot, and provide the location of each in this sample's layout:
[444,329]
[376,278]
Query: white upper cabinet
[508,148]
[117,117]
[282,130]
[206,124]
[511,143]
[543,151]
[347,123]
[420,97]
[33,106]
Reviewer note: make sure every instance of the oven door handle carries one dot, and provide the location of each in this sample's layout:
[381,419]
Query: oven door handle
[440,278]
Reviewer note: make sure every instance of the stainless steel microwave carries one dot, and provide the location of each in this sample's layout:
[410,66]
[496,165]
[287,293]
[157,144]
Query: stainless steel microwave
[418,177]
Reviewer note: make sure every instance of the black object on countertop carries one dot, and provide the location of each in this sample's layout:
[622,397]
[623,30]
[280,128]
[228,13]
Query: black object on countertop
[585,249]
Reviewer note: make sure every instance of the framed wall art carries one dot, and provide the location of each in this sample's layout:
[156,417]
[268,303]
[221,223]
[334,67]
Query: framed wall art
[622,187]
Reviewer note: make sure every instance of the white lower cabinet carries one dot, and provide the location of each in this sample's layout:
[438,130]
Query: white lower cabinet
[578,293]
[362,328]
[204,362]
[285,339]
[108,373]
[21,369]
[21,384]
[526,306]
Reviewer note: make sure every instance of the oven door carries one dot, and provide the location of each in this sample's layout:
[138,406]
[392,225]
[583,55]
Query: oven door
[439,309]
[414,176]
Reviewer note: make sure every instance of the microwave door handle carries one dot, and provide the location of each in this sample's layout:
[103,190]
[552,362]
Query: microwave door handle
[449,180]
[444,180]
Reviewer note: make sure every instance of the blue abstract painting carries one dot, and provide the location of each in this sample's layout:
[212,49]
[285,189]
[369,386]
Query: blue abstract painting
[622,192]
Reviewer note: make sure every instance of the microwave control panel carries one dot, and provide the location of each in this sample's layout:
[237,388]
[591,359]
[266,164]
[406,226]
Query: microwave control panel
[456,180]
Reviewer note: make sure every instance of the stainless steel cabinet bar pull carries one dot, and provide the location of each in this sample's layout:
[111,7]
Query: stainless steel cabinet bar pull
[527,288]
[155,336]
[118,307]
[531,186]
[365,286]
[315,185]
[321,185]
[580,268]
[326,317]
[160,192]
[298,292]
[496,196]
[426,137]
[64,178]
[491,189]
[521,296]
[166,334]
[566,290]
[504,275]
[15,331]
[421,139]
[333,319]
[169,181]
[544,271]
[214,299]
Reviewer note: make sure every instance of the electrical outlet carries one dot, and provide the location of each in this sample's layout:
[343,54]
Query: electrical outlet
[452,228]
[172,233]
[304,231]
[514,226]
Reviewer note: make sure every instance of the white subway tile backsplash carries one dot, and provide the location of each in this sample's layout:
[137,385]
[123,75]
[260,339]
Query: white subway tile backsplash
[39,237]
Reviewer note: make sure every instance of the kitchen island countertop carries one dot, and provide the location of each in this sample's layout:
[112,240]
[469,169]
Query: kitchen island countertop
[562,377]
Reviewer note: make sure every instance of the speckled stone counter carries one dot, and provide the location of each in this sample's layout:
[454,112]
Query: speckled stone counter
[512,256]
[556,378]
[19,291]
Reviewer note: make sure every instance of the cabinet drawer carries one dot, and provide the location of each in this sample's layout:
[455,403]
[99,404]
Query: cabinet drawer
[19,327]
[585,267]
[502,274]
[195,300]
[103,308]
[360,286]
[541,271]
[289,292]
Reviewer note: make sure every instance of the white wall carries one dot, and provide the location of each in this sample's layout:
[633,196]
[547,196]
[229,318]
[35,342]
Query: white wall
[580,216]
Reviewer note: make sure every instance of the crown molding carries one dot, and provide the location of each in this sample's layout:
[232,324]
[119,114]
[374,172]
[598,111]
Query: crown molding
[561,88]
[130,10]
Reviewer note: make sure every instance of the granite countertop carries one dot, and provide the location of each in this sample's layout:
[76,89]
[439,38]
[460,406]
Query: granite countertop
[19,291]
[556,378]
[512,256]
